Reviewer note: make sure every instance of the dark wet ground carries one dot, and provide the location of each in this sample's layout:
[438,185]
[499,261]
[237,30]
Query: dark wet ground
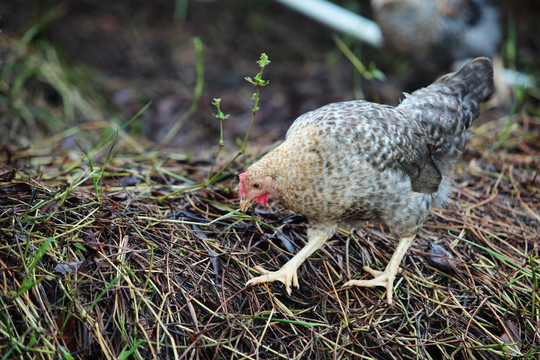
[136,51]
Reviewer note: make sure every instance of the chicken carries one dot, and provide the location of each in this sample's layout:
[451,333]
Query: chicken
[436,33]
[355,161]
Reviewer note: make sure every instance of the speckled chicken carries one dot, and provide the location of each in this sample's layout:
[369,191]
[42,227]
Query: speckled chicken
[355,161]
[435,33]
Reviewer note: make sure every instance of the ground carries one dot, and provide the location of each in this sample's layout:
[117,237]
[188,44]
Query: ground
[111,244]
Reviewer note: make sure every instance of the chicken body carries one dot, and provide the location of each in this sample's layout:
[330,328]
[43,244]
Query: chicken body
[356,161]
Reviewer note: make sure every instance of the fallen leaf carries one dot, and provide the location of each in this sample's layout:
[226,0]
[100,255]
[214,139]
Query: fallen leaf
[512,338]
[67,268]
[441,258]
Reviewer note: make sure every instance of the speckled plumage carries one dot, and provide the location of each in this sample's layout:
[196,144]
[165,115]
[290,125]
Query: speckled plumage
[434,33]
[354,161]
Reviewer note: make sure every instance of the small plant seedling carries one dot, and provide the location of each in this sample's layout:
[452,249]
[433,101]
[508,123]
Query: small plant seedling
[220,116]
[258,82]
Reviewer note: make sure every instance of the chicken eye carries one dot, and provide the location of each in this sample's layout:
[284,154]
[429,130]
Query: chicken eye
[256,185]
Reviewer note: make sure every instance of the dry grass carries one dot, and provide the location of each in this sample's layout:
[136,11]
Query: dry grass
[123,271]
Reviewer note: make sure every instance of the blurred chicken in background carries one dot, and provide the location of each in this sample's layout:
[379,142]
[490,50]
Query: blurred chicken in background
[437,35]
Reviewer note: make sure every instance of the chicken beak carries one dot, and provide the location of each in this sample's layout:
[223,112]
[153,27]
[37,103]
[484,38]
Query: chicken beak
[245,204]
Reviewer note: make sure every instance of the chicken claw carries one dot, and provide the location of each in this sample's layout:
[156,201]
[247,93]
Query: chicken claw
[381,278]
[287,275]
[385,278]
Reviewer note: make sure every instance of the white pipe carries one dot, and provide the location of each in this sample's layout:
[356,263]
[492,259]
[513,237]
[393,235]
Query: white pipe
[339,18]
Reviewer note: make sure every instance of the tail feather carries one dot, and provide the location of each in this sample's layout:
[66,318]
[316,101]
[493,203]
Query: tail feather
[448,107]
[473,83]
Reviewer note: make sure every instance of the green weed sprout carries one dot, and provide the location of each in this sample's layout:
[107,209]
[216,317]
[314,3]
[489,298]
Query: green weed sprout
[367,73]
[258,82]
[220,116]
[197,93]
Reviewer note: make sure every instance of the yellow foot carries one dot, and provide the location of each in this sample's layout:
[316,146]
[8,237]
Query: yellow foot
[287,275]
[381,278]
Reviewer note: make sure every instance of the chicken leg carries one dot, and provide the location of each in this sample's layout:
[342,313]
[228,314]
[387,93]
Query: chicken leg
[385,278]
[288,273]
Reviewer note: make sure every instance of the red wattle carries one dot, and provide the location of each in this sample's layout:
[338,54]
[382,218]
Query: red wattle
[263,199]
